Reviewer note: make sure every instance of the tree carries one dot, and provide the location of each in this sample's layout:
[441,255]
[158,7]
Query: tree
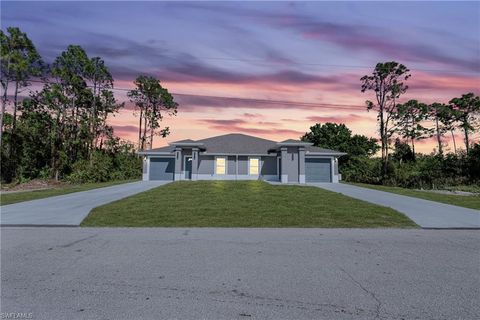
[388,83]
[468,109]
[20,62]
[151,100]
[408,121]
[339,137]
[403,152]
[99,78]
[443,117]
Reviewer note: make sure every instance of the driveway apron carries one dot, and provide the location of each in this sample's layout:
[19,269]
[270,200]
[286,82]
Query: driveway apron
[425,213]
[69,209]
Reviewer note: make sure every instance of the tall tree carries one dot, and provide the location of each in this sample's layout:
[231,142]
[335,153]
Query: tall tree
[408,121]
[20,61]
[468,111]
[388,82]
[151,101]
[443,118]
[99,79]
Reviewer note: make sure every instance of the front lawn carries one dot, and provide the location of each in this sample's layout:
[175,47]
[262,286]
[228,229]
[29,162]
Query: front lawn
[243,204]
[9,198]
[472,202]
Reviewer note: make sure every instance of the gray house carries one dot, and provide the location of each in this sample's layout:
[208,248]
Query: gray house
[241,157]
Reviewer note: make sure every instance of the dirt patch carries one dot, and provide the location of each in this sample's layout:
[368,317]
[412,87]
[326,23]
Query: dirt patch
[33,185]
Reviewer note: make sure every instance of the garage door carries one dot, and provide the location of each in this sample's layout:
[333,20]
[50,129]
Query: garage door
[162,168]
[318,170]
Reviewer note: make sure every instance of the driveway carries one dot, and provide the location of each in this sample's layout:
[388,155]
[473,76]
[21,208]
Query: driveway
[204,273]
[425,213]
[69,209]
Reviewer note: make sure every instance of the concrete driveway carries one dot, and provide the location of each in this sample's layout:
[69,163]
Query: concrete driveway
[425,213]
[69,209]
[181,273]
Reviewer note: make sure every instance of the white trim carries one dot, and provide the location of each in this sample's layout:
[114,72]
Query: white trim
[215,166]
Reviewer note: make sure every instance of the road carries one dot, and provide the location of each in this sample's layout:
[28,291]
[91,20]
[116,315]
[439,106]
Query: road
[182,273]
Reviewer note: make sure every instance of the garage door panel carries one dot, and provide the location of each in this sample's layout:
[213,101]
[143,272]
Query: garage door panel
[318,170]
[162,168]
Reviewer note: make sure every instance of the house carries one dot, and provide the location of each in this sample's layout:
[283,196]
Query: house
[241,157]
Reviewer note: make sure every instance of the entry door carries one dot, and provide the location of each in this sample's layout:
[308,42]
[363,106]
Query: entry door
[188,168]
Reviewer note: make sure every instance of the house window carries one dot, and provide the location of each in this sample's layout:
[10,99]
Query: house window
[220,165]
[253,166]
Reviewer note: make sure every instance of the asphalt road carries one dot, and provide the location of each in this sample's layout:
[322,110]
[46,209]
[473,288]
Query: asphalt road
[425,213]
[84,273]
[69,209]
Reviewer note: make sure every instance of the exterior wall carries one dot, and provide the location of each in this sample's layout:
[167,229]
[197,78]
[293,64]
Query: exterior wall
[269,166]
[231,165]
[206,165]
[206,169]
[242,165]
[290,165]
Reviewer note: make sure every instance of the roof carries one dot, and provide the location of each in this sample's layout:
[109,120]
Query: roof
[237,143]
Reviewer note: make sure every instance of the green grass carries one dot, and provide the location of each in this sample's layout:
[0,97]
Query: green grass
[472,202]
[242,204]
[10,198]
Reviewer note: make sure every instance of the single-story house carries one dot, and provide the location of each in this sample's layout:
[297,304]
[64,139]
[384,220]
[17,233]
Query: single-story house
[241,157]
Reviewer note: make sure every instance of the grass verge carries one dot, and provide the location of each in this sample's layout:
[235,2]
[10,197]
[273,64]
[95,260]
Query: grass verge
[242,204]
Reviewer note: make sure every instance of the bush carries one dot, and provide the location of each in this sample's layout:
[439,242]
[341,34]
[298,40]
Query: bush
[106,167]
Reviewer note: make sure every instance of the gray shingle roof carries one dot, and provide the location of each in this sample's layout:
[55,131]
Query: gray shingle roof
[237,143]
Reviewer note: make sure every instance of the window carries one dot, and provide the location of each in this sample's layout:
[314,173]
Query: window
[220,165]
[253,166]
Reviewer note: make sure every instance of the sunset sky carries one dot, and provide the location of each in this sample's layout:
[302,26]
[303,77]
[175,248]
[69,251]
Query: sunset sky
[289,64]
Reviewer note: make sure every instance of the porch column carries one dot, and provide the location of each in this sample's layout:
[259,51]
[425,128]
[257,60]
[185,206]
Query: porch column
[178,163]
[194,163]
[301,164]
[283,159]
[146,168]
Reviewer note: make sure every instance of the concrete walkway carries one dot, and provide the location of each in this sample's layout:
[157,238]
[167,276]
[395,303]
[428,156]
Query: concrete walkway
[425,213]
[69,209]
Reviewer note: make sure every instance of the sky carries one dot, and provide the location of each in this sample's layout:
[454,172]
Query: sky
[269,69]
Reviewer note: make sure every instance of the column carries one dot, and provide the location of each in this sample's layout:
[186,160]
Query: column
[195,163]
[178,163]
[301,164]
[283,159]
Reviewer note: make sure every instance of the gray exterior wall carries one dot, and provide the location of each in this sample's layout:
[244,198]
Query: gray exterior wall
[292,170]
[269,166]
[231,165]
[290,165]
[206,165]
[242,165]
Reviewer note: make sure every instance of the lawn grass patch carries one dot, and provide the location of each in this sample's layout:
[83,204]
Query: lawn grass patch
[242,204]
[9,198]
[472,202]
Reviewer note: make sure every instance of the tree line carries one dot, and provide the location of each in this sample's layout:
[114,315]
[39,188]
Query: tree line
[408,120]
[62,130]
[400,126]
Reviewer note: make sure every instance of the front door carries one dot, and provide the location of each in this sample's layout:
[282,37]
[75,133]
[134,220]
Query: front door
[188,168]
